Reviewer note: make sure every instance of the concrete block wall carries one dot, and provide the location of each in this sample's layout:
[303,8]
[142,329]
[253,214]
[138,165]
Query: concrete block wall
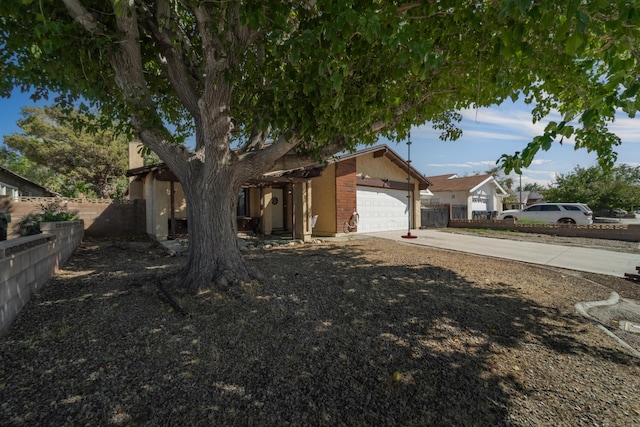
[28,262]
[102,217]
[628,233]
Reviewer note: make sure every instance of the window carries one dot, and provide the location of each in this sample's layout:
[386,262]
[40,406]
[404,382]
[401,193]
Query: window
[534,208]
[548,208]
[571,208]
[243,203]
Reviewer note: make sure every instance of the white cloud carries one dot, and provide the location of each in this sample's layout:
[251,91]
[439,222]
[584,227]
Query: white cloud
[626,129]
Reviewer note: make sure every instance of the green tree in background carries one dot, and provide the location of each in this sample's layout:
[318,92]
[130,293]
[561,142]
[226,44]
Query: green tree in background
[288,83]
[497,173]
[534,186]
[40,174]
[598,188]
[74,161]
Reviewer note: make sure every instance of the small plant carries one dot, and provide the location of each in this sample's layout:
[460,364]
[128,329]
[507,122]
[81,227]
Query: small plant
[50,212]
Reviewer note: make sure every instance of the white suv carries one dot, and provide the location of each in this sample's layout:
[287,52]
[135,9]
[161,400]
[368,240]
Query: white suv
[553,213]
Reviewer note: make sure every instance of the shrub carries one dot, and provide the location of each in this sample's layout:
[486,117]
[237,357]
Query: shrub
[50,212]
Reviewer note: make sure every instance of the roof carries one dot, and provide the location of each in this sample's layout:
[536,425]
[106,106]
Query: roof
[452,182]
[21,178]
[163,173]
[384,150]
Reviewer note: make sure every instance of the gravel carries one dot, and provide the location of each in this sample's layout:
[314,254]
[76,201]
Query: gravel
[363,332]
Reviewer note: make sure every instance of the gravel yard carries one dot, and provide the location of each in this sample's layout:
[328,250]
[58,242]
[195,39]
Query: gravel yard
[364,332]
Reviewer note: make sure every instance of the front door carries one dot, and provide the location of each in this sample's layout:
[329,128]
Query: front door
[277,208]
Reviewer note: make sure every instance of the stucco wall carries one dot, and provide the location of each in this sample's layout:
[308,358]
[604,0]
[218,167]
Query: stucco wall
[324,202]
[368,166]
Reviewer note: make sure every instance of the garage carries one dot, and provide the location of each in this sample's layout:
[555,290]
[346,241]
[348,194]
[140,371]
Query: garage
[381,209]
[480,203]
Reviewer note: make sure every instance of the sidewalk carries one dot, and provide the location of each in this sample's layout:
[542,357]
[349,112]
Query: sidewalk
[572,258]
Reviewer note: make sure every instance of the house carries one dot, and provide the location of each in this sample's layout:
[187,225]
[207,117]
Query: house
[370,190]
[477,195]
[14,186]
[375,185]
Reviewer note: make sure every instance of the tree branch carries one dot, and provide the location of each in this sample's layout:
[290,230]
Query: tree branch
[126,62]
[172,60]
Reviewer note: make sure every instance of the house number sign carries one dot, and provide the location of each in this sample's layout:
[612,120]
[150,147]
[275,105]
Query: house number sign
[274,201]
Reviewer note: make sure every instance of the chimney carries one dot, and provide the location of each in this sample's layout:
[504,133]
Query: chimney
[135,159]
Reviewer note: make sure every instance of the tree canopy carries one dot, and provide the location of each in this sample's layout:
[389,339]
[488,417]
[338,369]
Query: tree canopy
[290,82]
[598,188]
[91,163]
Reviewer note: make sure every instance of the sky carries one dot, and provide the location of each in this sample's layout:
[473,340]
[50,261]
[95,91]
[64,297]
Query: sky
[487,134]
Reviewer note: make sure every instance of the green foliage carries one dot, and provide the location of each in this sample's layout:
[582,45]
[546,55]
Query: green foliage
[534,186]
[295,82]
[506,182]
[49,212]
[600,189]
[56,147]
[329,68]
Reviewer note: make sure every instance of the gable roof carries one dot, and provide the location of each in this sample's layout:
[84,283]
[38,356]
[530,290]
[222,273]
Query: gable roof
[162,172]
[395,158]
[24,180]
[452,182]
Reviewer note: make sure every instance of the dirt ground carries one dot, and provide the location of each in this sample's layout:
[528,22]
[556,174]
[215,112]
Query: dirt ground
[365,332]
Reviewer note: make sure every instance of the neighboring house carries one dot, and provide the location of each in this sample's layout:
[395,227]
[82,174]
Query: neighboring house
[314,200]
[477,195]
[377,184]
[526,198]
[14,186]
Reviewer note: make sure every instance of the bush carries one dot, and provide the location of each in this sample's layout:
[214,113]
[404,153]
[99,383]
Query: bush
[51,212]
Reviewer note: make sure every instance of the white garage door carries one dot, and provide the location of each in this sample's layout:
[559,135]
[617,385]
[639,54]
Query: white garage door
[479,203]
[381,209]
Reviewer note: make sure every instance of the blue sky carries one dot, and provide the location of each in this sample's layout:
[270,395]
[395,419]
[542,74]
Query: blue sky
[490,132]
[487,134]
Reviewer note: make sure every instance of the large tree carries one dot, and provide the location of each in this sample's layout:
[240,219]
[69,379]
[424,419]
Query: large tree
[290,82]
[93,162]
[601,189]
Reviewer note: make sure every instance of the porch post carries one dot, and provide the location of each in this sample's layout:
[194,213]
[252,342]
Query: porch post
[302,203]
[266,222]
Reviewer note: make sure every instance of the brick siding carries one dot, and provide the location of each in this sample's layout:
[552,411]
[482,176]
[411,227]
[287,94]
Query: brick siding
[345,192]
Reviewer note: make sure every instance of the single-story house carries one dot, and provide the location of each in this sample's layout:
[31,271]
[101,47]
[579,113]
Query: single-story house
[477,195]
[14,186]
[370,190]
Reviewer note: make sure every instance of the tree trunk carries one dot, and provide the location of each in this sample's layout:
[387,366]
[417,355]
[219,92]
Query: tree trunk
[214,253]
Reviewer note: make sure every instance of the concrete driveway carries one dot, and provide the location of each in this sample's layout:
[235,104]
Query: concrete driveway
[572,258]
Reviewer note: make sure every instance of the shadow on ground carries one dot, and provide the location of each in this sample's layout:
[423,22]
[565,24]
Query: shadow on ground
[332,336]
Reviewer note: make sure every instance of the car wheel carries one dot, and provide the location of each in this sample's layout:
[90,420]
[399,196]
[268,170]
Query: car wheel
[566,221]
[507,217]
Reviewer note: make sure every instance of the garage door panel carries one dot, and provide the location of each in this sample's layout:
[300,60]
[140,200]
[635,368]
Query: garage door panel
[381,209]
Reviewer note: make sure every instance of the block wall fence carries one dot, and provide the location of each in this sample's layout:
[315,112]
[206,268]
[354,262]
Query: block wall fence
[26,263]
[102,217]
[627,233]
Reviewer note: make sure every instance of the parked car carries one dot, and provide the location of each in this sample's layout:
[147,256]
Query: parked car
[619,212]
[552,213]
